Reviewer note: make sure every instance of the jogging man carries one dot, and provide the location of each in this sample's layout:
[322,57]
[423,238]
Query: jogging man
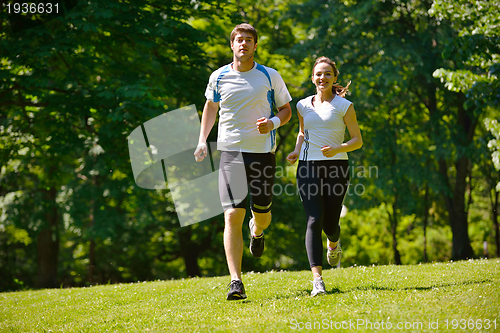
[248,94]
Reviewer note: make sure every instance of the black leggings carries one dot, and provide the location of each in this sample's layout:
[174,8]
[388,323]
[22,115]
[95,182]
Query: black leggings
[322,187]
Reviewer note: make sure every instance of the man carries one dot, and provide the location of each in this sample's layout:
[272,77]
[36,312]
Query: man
[247,94]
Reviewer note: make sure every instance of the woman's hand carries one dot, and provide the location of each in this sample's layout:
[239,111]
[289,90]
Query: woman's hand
[328,151]
[293,156]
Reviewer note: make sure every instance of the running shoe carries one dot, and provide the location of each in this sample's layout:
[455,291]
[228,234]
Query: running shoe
[333,256]
[256,243]
[236,291]
[318,287]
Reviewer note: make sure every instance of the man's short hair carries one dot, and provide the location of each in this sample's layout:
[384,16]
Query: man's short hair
[244,27]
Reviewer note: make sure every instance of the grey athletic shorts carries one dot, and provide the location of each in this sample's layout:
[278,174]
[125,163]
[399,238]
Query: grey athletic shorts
[250,173]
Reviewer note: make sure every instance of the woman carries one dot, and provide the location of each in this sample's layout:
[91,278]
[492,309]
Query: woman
[323,170]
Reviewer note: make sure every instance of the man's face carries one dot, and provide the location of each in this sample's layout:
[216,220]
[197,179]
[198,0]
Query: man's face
[243,46]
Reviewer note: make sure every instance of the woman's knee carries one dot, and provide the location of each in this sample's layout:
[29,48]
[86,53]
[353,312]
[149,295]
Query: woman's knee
[315,222]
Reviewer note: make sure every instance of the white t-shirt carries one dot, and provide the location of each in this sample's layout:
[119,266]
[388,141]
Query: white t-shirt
[323,126]
[243,98]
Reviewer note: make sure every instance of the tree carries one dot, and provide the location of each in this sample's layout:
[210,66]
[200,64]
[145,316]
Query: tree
[380,45]
[76,86]
[472,67]
[493,126]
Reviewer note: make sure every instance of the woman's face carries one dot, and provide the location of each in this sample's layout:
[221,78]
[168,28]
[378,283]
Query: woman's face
[323,76]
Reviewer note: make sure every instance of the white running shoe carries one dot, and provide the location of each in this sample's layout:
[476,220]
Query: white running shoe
[333,256]
[318,287]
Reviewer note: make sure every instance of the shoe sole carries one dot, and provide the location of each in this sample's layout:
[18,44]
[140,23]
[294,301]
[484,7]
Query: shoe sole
[321,293]
[255,255]
[236,297]
[250,226]
[338,260]
[335,265]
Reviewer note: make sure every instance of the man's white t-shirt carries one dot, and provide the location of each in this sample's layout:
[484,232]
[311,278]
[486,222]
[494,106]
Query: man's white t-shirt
[323,126]
[243,98]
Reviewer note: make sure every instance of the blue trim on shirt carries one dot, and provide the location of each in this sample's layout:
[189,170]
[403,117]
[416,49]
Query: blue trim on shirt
[272,102]
[225,70]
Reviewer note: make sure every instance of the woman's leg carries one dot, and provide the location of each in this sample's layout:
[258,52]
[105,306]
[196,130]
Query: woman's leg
[310,194]
[336,185]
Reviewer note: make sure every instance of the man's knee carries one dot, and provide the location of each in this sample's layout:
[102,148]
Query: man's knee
[234,216]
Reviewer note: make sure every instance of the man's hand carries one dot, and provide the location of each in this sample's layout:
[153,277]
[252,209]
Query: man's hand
[201,152]
[264,125]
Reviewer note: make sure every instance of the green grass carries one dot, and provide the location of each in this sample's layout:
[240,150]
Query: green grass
[277,302]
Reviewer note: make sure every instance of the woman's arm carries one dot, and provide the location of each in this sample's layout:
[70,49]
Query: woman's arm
[294,155]
[356,141]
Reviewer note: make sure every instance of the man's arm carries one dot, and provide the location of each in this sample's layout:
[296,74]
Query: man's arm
[265,125]
[207,122]
[284,113]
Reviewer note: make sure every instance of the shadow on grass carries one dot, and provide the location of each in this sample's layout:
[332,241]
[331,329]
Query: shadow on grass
[302,293]
[333,291]
[441,285]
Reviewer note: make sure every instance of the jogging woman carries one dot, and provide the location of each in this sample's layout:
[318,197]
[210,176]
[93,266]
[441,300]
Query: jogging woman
[323,170]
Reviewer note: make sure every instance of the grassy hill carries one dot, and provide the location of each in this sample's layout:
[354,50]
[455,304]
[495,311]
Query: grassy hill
[461,296]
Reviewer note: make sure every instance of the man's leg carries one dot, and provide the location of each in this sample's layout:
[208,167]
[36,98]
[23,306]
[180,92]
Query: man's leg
[258,223]
[260,175]
[233,240]
[232,192]
[262,221]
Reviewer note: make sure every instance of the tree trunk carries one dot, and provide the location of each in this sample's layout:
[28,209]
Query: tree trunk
[92,262]
[455,197]
[494,214]
[48,242]
[394,224]
[426,219]
[189,252]
[457,216]
[460,226]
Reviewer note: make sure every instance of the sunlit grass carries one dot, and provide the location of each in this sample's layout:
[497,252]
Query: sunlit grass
[363,297]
